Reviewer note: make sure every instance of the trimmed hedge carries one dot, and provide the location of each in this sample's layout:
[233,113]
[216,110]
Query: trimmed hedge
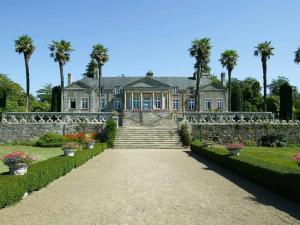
[279,179]
[51,140]
[109,133]
[40,174]
[185,135]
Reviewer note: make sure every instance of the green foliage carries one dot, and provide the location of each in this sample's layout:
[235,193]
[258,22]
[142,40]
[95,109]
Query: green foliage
[40,174]
[24,45]
[44,94]
[278,177]
[236,95]
[185,135]
[273,140]
[286,101]
[100,54]
[60,51]
[297,56]
[56,99]
[109,133]
[2,98]
[51,140]
[273,104]
[91,69]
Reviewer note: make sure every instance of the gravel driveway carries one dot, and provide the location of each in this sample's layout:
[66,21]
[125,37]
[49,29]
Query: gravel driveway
[151,187]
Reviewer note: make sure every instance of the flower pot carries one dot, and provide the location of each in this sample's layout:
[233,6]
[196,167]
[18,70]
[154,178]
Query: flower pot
[90,145]
[69,152]
[18,169]
[235,152]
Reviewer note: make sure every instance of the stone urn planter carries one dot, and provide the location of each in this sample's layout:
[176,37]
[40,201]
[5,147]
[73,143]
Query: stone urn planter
[18,169]
[70,148]
[90,145]
[234,149]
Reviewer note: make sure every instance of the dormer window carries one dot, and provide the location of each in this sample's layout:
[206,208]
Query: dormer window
[118,90]
[175,90]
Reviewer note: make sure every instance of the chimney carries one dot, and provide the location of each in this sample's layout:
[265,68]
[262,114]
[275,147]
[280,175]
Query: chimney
[223,78]
[149,74]
[70,79]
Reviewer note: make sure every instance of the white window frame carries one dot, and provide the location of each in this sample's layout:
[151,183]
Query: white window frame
[118,90]
[175,103]
[157,103]
[146,100]
[117,103]
[219,103]
[72,98]
[102,103]
[136,102]
[175,90]
[82,102]
[208,100]
[191,104]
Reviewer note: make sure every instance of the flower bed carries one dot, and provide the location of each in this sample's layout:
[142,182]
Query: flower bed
[280,178]
[40,174]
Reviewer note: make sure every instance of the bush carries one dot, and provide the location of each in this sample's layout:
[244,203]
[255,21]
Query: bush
[109,133]
[51,140]
[273,140]
[40,174]
[185,135]
[276,178]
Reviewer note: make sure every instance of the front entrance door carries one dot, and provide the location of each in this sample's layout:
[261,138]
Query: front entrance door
[146,104]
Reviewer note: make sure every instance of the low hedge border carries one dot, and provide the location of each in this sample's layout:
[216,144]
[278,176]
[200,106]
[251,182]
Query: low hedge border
[40,174]
[285,183]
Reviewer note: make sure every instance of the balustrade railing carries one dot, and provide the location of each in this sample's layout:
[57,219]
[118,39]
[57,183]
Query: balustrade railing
[55,117]
[229,117]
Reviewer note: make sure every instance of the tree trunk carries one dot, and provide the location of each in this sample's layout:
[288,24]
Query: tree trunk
[99,87]
[264,65]
[61,71]
[229,90]
[27,81]
[197,99]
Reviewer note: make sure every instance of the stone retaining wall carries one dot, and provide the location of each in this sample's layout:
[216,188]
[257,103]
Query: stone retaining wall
[22,132]
[247,132]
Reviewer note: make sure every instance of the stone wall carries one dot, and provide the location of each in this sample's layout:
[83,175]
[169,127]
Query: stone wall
[246,132]
[22,132]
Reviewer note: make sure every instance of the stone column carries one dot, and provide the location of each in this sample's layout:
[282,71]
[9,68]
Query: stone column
[92,101]
[152,100]
[131,100]
[141,106]
[125,96]
[162,101]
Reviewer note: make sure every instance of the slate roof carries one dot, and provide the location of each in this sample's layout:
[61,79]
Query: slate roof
[112,82]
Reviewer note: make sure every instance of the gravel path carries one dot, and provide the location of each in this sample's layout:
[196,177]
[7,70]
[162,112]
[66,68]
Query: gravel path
[151,187]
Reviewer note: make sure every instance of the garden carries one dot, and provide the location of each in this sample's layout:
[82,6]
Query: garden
[28,166]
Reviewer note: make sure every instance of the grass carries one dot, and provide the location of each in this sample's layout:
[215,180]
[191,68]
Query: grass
[43,153]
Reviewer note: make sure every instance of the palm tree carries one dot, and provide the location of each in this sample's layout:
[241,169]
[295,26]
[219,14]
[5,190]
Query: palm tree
[60,52]
[297,56]
[99,54]
[264,50]
[229,60]
[200,49]
[24,44]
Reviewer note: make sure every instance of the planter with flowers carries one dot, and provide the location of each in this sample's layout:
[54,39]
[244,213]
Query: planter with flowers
[296,158]
[69,148]
[234,149]
[89,143]
[18,162]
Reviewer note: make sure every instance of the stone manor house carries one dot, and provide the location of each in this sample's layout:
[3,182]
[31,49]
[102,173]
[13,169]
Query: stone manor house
[146,93]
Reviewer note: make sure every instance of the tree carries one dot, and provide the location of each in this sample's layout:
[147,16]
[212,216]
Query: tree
[237,95]
[229,60]
[60,52]
[297,56]
[286,101]
[24,45]
[265,51]
[44,94]
[91,69]
[100,55]
[2,98]
[200,50]
[56,99]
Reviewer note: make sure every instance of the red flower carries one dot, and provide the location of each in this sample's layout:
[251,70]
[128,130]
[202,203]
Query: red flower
[296,158]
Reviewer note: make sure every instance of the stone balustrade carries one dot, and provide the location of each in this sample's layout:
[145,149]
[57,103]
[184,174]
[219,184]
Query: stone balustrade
[55,117]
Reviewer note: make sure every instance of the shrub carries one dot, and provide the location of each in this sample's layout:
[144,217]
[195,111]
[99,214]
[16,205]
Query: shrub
[109,133]
[51,140]
[277,178]
[185,135]
[273,140]
[40,174]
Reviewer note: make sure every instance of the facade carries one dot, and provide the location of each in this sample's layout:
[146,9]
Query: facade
[148,93]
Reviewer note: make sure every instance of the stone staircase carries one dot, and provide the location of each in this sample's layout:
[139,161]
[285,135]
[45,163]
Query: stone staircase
[142,137]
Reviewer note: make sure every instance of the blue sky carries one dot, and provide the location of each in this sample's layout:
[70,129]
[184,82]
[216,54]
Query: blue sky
[143,35]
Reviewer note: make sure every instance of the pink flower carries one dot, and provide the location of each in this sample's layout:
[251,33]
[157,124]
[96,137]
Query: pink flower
[296,158]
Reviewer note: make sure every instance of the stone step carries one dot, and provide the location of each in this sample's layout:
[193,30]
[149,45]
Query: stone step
[147,142]
[147,146]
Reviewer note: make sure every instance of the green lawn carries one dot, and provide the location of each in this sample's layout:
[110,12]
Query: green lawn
[43,153]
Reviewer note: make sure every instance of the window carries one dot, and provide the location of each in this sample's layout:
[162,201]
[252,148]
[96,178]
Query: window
[175,103]
[136,103]
[207,104]
[117,103]
[84,103]
[175,90]
[157,103]
[191,104]
[118,90]
[72,103]
[102,103]
[146,103]
[191,91]
[219,103]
